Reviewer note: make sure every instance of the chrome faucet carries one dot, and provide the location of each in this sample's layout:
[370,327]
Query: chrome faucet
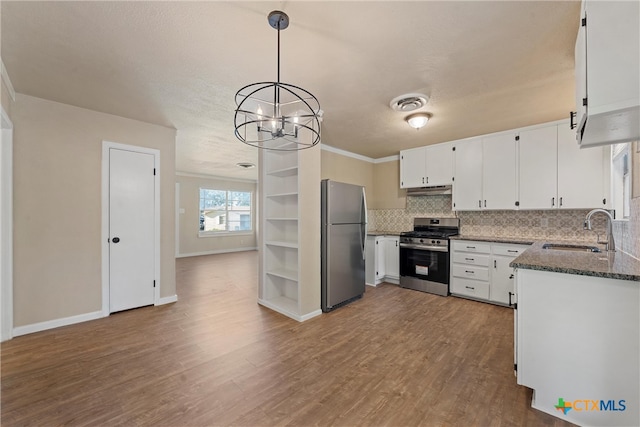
[610,244]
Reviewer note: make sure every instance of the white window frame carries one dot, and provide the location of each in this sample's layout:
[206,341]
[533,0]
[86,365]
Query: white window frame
[621,180]
[203,233]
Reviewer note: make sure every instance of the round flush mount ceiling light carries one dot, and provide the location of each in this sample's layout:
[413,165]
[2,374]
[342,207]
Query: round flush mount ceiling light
[409,102]
[246,165]
[418,120]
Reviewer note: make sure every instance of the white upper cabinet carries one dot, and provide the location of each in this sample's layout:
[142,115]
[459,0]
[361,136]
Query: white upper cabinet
[439,159]
[538,168]
[426,166]
[413,165]
[582,174]
[467,186]
[499,177]
[607,61]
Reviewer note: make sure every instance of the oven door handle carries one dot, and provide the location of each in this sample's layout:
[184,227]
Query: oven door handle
[425,248]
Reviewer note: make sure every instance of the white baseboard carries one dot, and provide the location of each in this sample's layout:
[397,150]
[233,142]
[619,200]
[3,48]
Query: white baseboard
[167,300]
[50,324]
[219,251]
[288,313]
[310,315]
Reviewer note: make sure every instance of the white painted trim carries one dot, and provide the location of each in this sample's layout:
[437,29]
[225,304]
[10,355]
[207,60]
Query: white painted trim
[167,300]
[206,234]
[221,178]
[310,315]
[6,260]
[7,81]
[394,158]
[50,324]
[177,214]
[106,146]
[346,153]
[6,121]
[216,252]
[287,313]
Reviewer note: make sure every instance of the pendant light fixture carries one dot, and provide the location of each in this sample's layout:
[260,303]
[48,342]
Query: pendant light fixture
[275,115]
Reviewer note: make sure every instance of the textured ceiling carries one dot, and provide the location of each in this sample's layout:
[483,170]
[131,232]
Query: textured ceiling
[487,66]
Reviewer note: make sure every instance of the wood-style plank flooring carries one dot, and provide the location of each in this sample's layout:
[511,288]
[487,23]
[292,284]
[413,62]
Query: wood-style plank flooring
[394,358]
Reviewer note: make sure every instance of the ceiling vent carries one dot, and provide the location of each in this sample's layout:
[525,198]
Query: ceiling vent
[409,102]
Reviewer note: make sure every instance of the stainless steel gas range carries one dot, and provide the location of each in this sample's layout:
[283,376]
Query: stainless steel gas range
[424,255]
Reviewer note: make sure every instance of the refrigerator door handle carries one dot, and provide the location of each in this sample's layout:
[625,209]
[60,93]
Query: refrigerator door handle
[364,218]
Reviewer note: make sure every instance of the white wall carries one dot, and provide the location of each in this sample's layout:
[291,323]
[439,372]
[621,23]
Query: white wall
[189,242]
[57,206]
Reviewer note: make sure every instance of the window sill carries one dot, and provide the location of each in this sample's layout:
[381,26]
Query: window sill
[621,220]
[224,233]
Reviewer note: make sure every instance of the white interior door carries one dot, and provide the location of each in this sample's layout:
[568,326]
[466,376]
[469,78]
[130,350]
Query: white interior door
[131,229]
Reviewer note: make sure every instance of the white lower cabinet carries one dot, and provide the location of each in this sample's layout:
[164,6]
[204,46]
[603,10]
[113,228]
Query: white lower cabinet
[599,328]
[392,258]
[480,270]
[382,260]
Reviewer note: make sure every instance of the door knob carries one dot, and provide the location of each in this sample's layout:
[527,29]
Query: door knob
[115,239]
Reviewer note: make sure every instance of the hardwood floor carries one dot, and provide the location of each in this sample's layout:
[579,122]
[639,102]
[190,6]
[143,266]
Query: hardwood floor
[396,357]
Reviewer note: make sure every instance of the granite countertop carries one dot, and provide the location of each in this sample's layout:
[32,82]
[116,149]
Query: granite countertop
[513,240]
[382,233]
[612,265]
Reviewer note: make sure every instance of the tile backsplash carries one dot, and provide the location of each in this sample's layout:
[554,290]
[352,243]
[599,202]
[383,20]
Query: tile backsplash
[536,225]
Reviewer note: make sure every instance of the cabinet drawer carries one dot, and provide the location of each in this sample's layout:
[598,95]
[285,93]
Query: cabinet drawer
[470,272]
[472,288]
[465,246]
[508,250]
[473,259]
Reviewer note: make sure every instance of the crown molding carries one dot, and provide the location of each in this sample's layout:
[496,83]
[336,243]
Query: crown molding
[358,156]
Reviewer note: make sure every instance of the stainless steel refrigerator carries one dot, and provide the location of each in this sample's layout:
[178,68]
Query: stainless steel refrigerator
[344,232]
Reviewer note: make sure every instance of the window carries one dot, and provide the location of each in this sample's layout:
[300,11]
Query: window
[621,180]
[224,211]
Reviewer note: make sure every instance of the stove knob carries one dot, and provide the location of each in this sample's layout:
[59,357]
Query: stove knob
[421,241]
[438,241]
[433,241]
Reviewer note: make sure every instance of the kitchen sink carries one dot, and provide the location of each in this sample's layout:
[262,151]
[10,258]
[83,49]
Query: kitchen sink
[574,248]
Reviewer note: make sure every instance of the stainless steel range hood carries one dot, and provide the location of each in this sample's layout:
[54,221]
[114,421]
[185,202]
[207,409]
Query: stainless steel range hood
[429,191]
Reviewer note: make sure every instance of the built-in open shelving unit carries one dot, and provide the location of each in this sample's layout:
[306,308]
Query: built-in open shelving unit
[289,233]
